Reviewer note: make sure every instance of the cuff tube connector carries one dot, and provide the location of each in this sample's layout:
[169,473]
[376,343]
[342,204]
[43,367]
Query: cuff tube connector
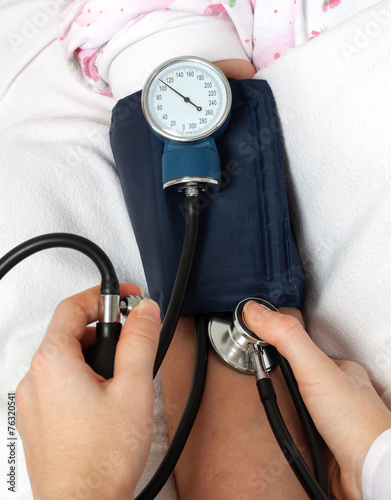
[129,302]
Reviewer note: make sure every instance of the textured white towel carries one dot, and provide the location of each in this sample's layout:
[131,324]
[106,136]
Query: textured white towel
[334,102]
[56,174]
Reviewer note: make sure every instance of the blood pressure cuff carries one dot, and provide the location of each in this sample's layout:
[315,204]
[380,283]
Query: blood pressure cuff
[245,247]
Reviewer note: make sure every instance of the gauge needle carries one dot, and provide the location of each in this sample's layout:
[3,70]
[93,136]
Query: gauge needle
[186,99]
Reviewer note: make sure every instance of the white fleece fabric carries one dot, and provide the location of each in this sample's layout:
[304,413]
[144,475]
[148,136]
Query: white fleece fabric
[334,104]
[57,174]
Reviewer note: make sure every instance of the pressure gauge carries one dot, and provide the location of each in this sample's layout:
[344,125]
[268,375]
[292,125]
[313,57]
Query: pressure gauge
[186,99]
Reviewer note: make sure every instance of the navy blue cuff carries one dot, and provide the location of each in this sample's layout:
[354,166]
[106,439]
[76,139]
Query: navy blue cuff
[246,245]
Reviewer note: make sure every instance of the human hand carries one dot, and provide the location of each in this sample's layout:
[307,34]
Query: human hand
[237,69]
[84,436]
[343,403]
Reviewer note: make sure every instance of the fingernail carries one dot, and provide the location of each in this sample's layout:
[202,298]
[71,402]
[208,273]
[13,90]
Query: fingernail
[142,290]
[253,310]
[148,309]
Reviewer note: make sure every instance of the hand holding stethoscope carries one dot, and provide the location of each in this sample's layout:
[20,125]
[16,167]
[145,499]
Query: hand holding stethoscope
[338,395]
[339,398]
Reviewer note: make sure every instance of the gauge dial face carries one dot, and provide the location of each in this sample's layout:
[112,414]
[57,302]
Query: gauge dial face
[186,99]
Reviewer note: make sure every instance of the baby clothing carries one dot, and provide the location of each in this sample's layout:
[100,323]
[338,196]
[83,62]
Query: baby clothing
[129,39]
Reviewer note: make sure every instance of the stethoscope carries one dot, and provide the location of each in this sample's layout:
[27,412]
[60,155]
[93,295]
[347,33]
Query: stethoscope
[187,103]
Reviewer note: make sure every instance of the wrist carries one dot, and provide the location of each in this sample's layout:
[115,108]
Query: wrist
[237,69]
[99,485]
[346,483]
[354,466]
[84,489]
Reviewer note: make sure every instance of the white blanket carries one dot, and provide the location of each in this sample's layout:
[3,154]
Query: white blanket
[334,102]
[57,174]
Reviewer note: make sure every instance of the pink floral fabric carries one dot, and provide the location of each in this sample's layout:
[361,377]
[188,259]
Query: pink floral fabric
[266,29]
[90,25]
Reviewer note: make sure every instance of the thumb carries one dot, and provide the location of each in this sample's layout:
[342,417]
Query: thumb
[137,345]
[288,336]
[339,406]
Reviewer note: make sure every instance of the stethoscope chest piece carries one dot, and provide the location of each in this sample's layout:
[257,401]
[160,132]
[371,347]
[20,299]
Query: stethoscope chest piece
[235,343]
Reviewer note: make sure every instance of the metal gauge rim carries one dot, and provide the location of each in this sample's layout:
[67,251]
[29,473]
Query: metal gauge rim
[172,136]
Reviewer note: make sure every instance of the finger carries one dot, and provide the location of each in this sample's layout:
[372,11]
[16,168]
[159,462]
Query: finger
[292,311]
[286,333]
[67,329]
[137,345]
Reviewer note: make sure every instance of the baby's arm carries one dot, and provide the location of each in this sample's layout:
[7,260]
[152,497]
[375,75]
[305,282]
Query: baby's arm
[111,47]
[231,452]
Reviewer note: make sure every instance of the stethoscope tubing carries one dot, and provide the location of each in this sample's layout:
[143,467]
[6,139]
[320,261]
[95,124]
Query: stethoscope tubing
[181,281]
[170,323]
[109,280]
[285,441]
[314,440]
[189,415]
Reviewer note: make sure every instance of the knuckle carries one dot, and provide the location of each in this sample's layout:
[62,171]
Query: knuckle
[37,361]
[287,328]
[146,337]
[354,368]
[39,365]
[289,324]
[70,305]
[20,393]
[143,334]
[61,306]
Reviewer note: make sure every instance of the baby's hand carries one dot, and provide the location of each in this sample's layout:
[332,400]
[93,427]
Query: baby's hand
[237,69]
[344,405]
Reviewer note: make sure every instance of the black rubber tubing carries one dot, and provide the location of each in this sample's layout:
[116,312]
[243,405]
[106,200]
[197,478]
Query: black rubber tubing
[182,278]
[109,283]
[314,440]
[170,323]
[185,425]
[285,441]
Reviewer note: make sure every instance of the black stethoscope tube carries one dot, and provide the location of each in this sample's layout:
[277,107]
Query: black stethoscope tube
[109,283]
[189,415]
[314,440]
[166,334]
[182,278]
[285,441]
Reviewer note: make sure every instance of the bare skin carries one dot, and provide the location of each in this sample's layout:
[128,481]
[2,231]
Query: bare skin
[237,69]
[231,452]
